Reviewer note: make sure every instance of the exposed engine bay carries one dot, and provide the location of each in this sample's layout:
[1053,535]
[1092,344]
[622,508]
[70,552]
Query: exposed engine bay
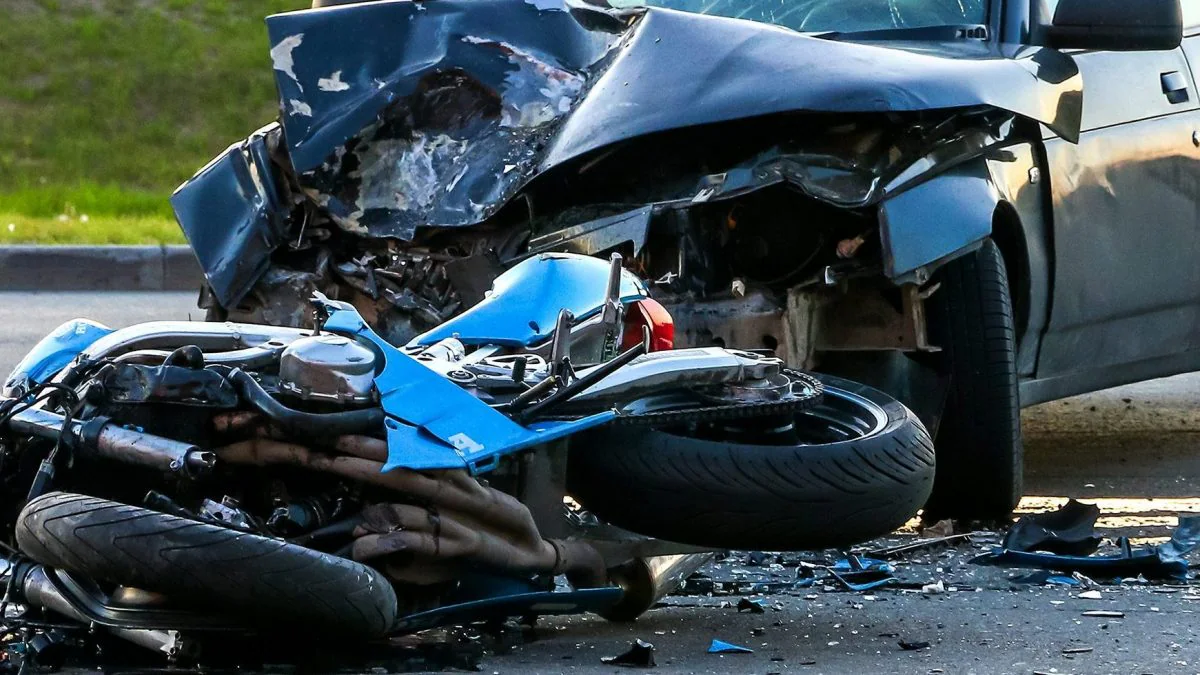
[800,274]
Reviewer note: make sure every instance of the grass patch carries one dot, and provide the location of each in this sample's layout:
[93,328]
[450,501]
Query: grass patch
[51,201]
[107,105]
[88,229]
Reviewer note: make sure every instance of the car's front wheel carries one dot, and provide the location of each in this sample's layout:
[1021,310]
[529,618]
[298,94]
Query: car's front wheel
[978,445]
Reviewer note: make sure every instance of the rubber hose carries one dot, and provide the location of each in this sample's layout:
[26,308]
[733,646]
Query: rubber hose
[299,423]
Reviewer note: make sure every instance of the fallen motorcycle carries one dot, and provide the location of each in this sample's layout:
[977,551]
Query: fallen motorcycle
[547,451]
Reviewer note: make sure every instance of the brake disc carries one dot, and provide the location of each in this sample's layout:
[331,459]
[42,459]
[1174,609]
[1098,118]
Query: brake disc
[740,401]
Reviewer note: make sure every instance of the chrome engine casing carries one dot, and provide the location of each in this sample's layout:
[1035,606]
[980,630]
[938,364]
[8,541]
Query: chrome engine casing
[329,369]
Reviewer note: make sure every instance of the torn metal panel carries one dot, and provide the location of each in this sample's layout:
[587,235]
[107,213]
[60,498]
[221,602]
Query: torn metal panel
[233,215]
[404,115]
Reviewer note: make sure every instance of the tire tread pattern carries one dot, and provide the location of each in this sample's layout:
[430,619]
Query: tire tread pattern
[732,495]
[258,578]
[980,465]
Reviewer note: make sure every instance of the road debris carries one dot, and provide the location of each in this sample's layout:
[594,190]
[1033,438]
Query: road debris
[748,605]
[913,646]
[1068,531]
[639,655]
[1071,529]
[1090,595]
[1077,650]
[722,647]
[1104,614]
[934,588]
[942,528]
[861,574]
[1046,578]
[894,552]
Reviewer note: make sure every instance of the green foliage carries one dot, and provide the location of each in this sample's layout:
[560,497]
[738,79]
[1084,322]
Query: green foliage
[107,105]
[84,228]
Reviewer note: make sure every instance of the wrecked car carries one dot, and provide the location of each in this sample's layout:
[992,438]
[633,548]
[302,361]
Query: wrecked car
[945,199]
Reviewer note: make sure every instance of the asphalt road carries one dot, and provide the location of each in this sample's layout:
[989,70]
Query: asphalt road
[1133,450]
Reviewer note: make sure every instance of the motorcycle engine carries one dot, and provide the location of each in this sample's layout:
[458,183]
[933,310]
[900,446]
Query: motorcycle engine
[328,369]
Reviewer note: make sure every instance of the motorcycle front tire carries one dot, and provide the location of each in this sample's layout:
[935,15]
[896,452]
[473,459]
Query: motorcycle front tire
[257,580]
[677,485]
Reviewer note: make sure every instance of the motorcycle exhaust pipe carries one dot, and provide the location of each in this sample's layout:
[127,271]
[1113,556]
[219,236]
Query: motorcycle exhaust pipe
[111,441]
[40,591]
[648,580]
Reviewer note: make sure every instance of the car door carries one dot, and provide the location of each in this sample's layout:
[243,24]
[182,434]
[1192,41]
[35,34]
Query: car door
[1126,298]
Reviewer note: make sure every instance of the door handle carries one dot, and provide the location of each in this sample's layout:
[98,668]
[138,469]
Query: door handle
[1175,86]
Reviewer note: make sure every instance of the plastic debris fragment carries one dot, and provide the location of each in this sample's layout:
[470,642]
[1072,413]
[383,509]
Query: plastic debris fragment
[1067,531]
[722,647]
[639,655]
[1166,561]
[748,605]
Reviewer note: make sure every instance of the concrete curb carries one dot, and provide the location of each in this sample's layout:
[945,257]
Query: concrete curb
[98,268]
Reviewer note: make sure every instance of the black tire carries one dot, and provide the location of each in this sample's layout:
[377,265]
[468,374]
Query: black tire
[725,494]
[979,448]
[254,578]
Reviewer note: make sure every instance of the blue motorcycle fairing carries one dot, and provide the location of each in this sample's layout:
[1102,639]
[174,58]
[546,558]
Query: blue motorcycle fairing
[53,353]
[436,424]
[523,306]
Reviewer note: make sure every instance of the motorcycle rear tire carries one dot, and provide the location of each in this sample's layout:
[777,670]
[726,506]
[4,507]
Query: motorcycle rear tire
[266,581]
[666,484]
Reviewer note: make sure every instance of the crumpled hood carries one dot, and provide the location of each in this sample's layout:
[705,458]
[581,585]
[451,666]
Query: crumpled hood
[399,115]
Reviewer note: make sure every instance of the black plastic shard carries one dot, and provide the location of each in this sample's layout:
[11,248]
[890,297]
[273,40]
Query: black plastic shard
[640,655]
[748,605]
[1067,531]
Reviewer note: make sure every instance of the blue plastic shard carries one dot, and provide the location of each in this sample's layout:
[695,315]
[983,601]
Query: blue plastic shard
[722,647]
[865,580]
[857,563]
[457,429]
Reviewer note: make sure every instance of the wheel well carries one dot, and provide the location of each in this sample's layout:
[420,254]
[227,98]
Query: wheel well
[1010,239]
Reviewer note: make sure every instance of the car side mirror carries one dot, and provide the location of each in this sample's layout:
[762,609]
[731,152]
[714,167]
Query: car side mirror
[1118,25]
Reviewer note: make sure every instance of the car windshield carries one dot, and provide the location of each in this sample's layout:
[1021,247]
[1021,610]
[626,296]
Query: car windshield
[843,16]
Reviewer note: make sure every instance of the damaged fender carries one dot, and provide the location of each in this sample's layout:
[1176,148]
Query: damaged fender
[948,214]
[233,215]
